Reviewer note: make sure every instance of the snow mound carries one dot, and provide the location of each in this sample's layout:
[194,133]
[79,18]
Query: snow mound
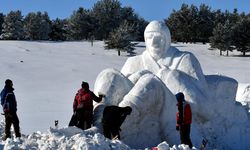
[71,138]
[243,94]
[61,139]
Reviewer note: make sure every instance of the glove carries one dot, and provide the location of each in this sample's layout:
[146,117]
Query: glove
[101,95]
[177,128]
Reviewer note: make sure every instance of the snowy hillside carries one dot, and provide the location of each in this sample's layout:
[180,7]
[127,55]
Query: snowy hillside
[46,76]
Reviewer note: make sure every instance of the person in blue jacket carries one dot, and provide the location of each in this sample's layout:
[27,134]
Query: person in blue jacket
[9,104]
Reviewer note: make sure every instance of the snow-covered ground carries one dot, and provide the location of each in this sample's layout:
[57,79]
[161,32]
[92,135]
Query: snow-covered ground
[46,76]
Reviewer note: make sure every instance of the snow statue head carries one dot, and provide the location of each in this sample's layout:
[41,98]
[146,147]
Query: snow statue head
[157,38]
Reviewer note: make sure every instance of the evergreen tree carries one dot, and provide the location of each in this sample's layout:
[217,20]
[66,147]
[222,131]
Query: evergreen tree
[193,26]
[183,24]
[37,26]
[205,23]
[234,17]
[120,39]
[172,22]
[58,32]
[12,28]
[80,25]
[139,24]
[127,13]
[108,16]
[220,17]
[241,35]
[1,22]
[222,37]
[140,27]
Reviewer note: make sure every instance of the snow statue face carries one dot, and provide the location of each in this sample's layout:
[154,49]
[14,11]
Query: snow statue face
[157,38]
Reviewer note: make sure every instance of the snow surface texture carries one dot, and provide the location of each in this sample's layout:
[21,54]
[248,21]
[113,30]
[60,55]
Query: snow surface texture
[64,138]
[156,75]
[46,76]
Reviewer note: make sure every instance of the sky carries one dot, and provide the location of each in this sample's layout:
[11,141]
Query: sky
[148,9]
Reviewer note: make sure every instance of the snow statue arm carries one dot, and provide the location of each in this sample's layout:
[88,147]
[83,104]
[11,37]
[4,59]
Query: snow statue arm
[145,94]
[146,99]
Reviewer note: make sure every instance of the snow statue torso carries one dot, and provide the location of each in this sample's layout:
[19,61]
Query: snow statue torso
[148,83]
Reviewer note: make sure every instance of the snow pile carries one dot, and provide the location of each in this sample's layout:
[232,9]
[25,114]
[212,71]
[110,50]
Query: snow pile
[71,138]
[243,94]
[65,138]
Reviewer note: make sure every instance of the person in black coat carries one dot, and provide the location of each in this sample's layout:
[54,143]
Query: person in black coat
[113,117]
[8,101]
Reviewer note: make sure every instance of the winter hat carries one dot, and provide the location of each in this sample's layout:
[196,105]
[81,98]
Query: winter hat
[85,85]
[180,96]
[8,82]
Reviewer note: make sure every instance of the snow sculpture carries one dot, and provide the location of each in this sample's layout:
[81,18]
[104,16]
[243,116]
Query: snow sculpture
[148,83]
[171,65]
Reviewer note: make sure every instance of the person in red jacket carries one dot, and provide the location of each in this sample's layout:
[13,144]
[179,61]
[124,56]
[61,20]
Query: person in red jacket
[183,119]
[83,107]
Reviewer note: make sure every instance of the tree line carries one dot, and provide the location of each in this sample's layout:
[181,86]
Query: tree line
[118,26]
[105,17]
[223,30]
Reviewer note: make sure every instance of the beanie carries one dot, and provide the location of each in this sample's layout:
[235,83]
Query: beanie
[8,82]
[85,85]
[179,96]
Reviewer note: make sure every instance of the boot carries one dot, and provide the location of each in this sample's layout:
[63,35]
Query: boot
[5,137]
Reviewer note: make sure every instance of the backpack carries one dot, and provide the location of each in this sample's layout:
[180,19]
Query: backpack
[6,104]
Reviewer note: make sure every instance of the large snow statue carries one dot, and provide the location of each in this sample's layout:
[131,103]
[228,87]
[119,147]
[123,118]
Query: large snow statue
[148,83]
[148,96]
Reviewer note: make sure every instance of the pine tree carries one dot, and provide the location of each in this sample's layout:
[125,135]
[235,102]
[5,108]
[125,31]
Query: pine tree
[80,25]
[58,32]
[140,26]
[37,26]
[241,35]
[179,23]
[220,17]
[1,22]
[222,37]
[172,23]
[108,16]
[183,24]
[205,23]
[13,26]
[138,23]
[121,39]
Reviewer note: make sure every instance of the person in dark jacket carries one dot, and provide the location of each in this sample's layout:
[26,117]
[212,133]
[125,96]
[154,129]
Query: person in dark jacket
[113,117]
[183,119]
[83,107]
[8,101]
